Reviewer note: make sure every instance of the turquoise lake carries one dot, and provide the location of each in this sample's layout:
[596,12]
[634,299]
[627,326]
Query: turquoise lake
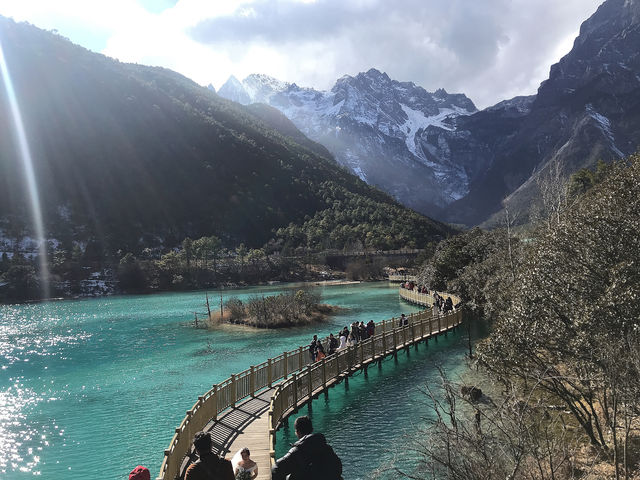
[94,387]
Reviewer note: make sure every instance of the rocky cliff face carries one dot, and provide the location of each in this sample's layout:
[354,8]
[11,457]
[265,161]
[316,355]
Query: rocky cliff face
[588,109]
[376,127]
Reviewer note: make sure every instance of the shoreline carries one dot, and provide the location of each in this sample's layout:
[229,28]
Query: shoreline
[219,288]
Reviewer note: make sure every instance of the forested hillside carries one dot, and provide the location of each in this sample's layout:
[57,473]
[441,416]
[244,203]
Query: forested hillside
[132,161]
[129,157]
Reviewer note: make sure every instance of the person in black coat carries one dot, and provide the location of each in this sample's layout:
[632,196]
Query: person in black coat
[310,458]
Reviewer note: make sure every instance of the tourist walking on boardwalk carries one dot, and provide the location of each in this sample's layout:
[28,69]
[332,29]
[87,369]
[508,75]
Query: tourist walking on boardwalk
[333,344]
[343,340]
[355,333]
[310,458]
[313,348]
[402,321]
[371,328]
[362,331]
[243,467]
[208,466]
[448,304]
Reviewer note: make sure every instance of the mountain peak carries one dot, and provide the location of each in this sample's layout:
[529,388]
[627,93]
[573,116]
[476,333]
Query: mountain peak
[234,90]
[374,76]
[261,87]
[375,73]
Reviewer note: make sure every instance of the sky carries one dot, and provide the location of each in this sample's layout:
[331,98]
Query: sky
[491,50]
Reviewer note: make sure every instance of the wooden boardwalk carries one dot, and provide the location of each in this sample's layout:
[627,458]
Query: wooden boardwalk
[245,425]
[247,409]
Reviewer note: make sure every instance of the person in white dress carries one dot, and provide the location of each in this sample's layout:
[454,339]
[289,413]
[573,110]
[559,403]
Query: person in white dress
[243,467]
[343,342]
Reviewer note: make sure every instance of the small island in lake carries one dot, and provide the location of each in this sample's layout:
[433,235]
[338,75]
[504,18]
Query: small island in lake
[296,308]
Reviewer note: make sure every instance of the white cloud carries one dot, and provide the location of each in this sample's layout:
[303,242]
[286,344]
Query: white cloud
[490,50]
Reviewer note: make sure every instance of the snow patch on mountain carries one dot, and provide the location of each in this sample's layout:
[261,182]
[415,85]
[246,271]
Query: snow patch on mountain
[605,125]
[374,126]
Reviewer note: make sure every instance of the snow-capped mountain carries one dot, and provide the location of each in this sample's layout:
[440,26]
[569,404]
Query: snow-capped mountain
[435,153]
[385,131]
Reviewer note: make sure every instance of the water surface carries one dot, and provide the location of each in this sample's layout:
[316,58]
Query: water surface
[98,385]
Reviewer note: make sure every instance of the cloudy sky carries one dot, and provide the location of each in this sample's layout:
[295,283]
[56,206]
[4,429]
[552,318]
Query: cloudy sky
[489,49]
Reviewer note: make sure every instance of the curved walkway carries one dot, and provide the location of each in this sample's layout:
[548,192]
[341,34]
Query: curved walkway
[247,409]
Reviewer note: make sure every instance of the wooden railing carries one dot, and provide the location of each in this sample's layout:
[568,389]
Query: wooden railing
[425,299]
[294,367]
[224,395]
[314,378]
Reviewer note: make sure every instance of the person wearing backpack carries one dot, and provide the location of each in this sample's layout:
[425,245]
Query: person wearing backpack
[209,466]
[310,458]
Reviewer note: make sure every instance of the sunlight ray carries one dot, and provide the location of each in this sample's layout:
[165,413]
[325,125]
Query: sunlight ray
[27,163]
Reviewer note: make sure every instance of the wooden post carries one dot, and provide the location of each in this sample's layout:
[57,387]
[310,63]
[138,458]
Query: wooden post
[252,381]
[300,364]
[285,364]
[324,373]
[338,363]
[269,373]
[384,343]
[373,347]
[215,401]
[439,324]
[233,389]
[384,326]
[295,390]
[310,381]
[361,353]
[395,340]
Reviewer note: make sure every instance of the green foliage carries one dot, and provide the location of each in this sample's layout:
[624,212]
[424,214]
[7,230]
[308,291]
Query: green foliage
[571,322]
[352,220]
[476,265]
[131,275]
[5,263]
[22,282]
[584,179]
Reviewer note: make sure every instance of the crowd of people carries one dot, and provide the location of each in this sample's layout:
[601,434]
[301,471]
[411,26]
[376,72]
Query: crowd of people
[440,304]
[347,337]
